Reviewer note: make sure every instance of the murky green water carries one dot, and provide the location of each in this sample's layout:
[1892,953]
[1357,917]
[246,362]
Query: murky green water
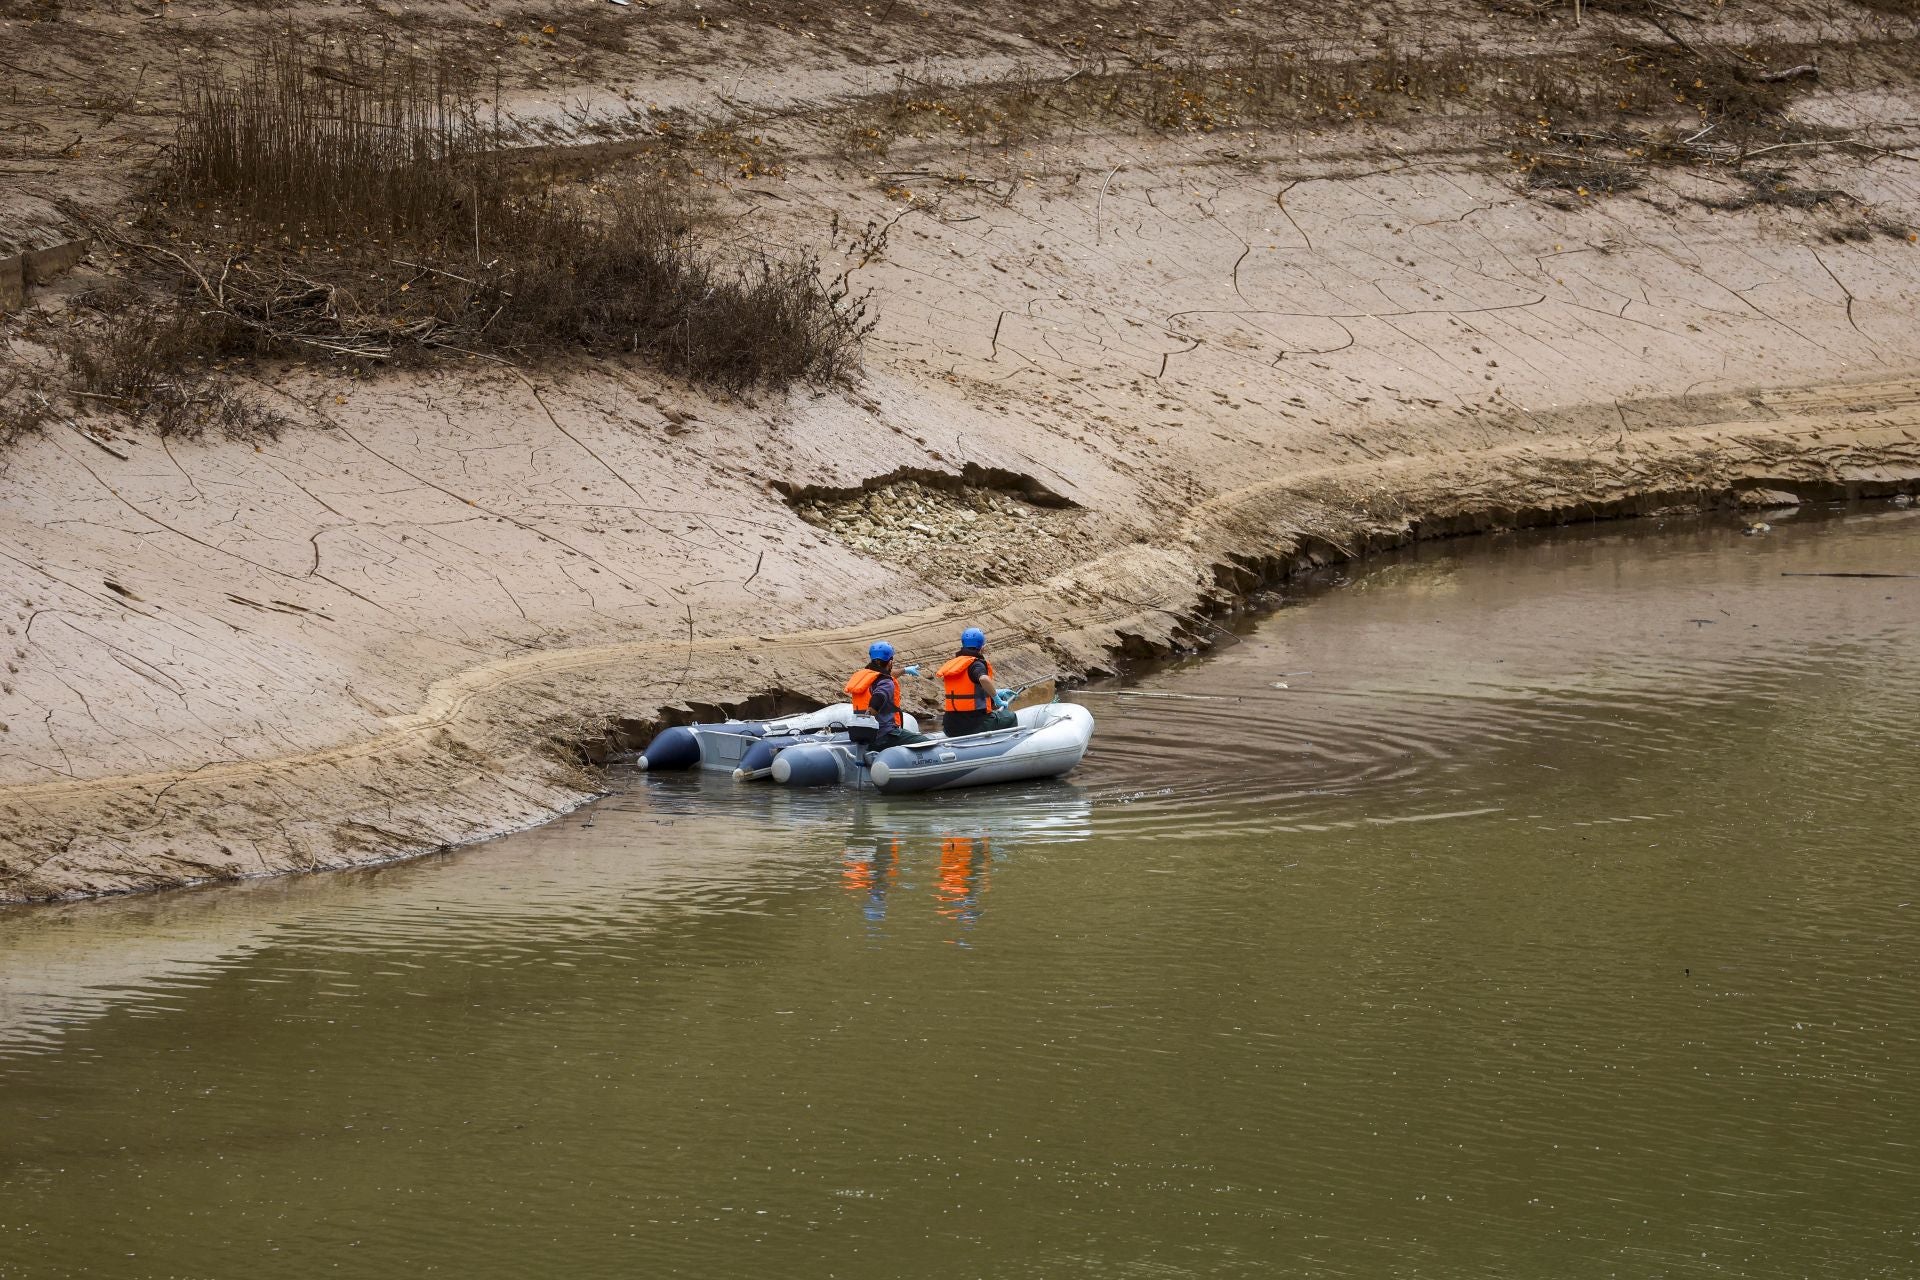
[1560,923]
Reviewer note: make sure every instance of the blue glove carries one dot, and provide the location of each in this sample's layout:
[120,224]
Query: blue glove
[911,671]
[1001,699]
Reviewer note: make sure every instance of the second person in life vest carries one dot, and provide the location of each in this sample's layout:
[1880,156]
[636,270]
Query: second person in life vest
[974,704]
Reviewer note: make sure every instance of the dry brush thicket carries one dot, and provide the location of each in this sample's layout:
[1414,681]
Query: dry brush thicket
[359,205]
[381,217]
[1585,117]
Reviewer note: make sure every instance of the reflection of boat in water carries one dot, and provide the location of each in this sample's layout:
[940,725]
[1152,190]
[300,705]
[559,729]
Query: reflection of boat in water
[825,748]
[1043,811]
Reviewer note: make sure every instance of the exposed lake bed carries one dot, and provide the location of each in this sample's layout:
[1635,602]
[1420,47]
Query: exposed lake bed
[1554,918]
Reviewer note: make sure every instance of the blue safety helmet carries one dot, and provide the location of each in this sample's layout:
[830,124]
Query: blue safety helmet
[880,651]
[972,638]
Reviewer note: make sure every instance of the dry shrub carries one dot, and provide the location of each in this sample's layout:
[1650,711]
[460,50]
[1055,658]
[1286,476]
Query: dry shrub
[24,406]
[1848,217]
[364,207]
[1578,174]
[636,280]
[154,367]
[1777,188]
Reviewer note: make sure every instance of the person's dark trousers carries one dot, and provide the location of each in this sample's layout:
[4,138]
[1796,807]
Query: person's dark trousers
[896,738]
[958,724]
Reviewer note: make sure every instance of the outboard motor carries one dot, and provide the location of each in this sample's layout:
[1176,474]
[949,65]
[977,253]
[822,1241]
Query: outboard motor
[760,756]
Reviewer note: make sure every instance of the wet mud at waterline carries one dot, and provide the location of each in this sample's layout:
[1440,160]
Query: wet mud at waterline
[1535,905]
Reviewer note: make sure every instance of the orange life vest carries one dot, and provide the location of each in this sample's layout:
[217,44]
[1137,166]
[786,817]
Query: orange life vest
[860,693]
[962,693]
[860,689]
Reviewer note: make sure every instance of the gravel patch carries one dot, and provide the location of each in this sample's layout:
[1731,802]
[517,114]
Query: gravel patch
[973,535]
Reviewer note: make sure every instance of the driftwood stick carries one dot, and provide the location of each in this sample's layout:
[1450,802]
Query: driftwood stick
[1850,575]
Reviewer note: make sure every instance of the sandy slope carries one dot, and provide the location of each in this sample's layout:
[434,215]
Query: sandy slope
[377,635]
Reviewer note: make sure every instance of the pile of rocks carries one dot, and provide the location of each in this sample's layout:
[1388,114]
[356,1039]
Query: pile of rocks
[976,535]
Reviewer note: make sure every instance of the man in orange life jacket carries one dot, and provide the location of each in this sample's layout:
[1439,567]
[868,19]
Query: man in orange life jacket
[875,692]
[974,704]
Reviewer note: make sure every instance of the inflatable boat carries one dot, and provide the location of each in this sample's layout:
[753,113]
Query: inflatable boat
[1047,742]
[747,748]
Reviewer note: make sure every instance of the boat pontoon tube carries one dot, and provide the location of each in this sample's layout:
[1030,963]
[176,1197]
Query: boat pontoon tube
[1048,741]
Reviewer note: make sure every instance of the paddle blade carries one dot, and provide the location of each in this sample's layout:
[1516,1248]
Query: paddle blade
[1037,695]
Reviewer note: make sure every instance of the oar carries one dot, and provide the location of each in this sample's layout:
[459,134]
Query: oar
[1036,694]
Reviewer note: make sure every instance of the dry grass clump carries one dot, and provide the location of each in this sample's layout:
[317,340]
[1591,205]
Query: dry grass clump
[1579,174]
[1776,188]
[1850,217]
[24,407]
[701,146]
[161,368]
[115,351]
[363,206]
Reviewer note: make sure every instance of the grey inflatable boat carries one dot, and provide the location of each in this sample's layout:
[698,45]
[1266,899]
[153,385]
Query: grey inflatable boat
[1047,742]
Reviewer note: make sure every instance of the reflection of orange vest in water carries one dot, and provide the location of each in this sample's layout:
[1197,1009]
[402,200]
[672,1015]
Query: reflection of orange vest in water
[963,877]
[956,867]
[871,874]
[962,693]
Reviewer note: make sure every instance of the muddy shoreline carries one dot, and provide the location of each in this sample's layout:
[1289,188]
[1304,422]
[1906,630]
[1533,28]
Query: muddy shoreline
[509,744]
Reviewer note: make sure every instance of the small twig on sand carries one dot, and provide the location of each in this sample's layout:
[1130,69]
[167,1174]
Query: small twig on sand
[1831,142]
[686,670]
[417,266]
[466,351]
[77,429]
[1652,15]
[1100,201]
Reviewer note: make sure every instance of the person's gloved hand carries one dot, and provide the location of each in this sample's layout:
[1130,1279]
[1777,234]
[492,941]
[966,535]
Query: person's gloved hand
[914,670]
[1001,699]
